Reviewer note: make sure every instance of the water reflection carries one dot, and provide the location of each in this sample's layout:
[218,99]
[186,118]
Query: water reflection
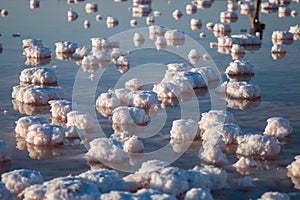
[30,109]
[37,61]
[242,104]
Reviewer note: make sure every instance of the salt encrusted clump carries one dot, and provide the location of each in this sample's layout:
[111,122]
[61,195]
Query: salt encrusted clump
[90,60]
[278,49]
[112,20]
[24,123]
[134,84]
[240,90]
[65,47]
[5,154]
[160,43]
[143,99]
[203,3]
[91,7]
[177,14]
[60,109]
[81,120]
[129,115]
[37,52]
[210,25]
[226,16]
[142,9]
[194,55]
[174,35]
[294,168]
[198,193]
[167,90]
[155,30]
[245,163]
[121,61]
[278,36]
[278,127]
[258,146]
[274,196]
[184,129]
[5,193]
[209,74]
[123,95]
[31,42]
[80,52]
[215,117]
[241,39]
[38,76]
[16,181]
[108,100]
[239,67]
[45,134]
[72,15]
[133,145]
[37,95]
[138,39]
[232,6]
[196,22]
[106,150]
[237,49]
[63,187]
[284,11]
[295,30]
[72,132]
[103,43]
[223,28]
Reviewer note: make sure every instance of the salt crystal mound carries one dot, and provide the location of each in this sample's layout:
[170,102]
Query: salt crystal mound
[241,39]
[295,30]
[103,43]
[112,20]
[278,49]
[155,30]
[134,84]
[91,7]
[245,182]
[72,15]
[231,6]
[217,176]
[186,81]
[229,132]
[196,23]
[198,193]
[197,179]
[81,120]
[177,14]
[240,90]
[38,76]
[123,95]
[65,47]
[184,129]
[215,117]
[239,67]
[174,35]
[284,11]
[280,2]
[282,37]
[139,195]
[105,180]
[203,3]
[143,99]
[294,168]
[108,100]
[142,9]
[258,147]
[129,115]
[80,52]
[121,61]
[245,163]
[5,193]
[228,17]
[274,196]
[106,150]
[31,42]
[16,181]
[63,188]
[138,39]
[133,145]
[167,90]
[209,74]
[5,154]
[223,28]
[37,52]
[237,49]
[45,134]
[24,123]
[36,95]
[190,9]
[60,109]
[278,127]
[193,55]
[160,43]
[90,60]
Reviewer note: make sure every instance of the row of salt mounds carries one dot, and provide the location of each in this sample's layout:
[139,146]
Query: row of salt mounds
[278,127]
[129,115]
[5,154]
[65,47]
[239,90]
[258,147]
[295,30]
[184,129]
[282,37]
[130,143]
[38,76]
[60,109]
[239,67]
[37,95]
[241,39]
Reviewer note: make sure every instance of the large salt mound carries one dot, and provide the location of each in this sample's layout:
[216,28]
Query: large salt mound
[80,119]
[108,100]
[45,134]
[16,181]
[38,52]
[294,168]
[37,95]
[184,129]
[274,196]
[129,115]
[24,123]
[239,67]
[143,99]
[278,127]
[198,193]
[63,188]
[60,109]
[65,47]
[215,117]
[106,150]
[38,76]
[240,90]
[258,146]
[243,40]
[5,154]
[167,90]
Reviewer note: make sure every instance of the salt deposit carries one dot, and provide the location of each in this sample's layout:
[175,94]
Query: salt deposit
[37,52]
[278,49]
[194,55]
[242,90]
[65,47]
[123,95]
[279,36]
[122,61]
[31,42]
[184,129]
[167,90]
[258,146]
[72,15]
[239,67]
[196,23]
[133,22]
[295,30]
[140,194]
[278,127]
[80,52]
[37,95]
[284,11]
[228,17]
[138,39]
[80,119]
[24,123]
[4,12]
[134,84]
[294,168]
[190,9]
[198,193]
[133,145]
[90,60]
[98,17]
[245,163]
[210,25]
[231,6]
[241,39]
[274,196]
[160,43]
[108,100]
[215,117]
[203,3]
[129,115]
[103,43]
[222,29]
[174,35]
[237,49]
[91,7]
[111,20]
[177,14]
[5,154]
[38,76]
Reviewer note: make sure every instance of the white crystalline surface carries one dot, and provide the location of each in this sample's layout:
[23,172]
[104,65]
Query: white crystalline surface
[294,167]
[80,52]
[31,42]
[143,99]
[133,145]
[38,76]
[245,163]
[274,196]
[60,109]
[38,52]
[5,154]
[134,84]
[108,100]
[278,127]
[239,67]
[241,90]
[129,115]
[184,129]
[24,123]
[65,47]
[198,193]
[167,90]
[81,120]
[215,117]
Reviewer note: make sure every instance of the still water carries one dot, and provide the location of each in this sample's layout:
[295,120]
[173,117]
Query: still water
[278,80]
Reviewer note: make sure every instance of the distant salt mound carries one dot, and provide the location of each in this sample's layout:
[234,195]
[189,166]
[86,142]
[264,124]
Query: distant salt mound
[24,123]
[274,196]
[215,117]
[174,35]
[223,28]
[279,37]
[103,43]
[5,154]
[278,127]
[240,90]
[258,146]
[184,129]
[65,47]
[108,100]
[245,163]
[295,30]
[129,115]
[293,168]
[60,109]
[37,95]
[198,193]
[38,76]
[16,181]
[45,134]
[90,60]
[80,120]
[31,42]
[241,39]
[37,52]
[228,17]
[239,67]
[5,193]
[134,84]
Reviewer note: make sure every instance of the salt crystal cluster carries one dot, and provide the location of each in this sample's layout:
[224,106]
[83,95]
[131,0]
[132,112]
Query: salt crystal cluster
[198,193]
[240,90]
[184,129]
[60,109]
[215,117]
[138,39]
[65,47]
[274,195]
[295,30]
[177,14]
[239,67]
[24,123]
[5,154]
[278,49]
[80,52]
[226,16]
[222,28]
[245,163]
[133,145]
[37,52]
[81,120]
[241,39]
[38,76]
[129,115]
[294,168]
[278,36]
[174,35]
[108,100]
[103,43]
[31,42]
[278,127]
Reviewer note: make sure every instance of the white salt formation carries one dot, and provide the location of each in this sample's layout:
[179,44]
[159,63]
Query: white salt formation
[184,129]
[174,35]
[133,145]
[245,163]
[5,193]
[231,6]
[209,74]
[72,15]
[278,36]
[241,39]
[121,61]
[5,154]
[38,52]
[215,117]
[194,55]
[123,95]
[226,16]
[203,3]
[239,67]
[280,2]
[196,23]
[80,52]
[91,7]
[106,150]
[138,39]
[177,14]
[237,49]
[198,193]
[80,119]
[60,109]
[133,22]
[24,123]
[90,60]
[295,30]
[129,115]
[284,11]
[274,196]
[278,127]
[112,20]
[16,181]
[294,171]
[278,49]
[31,42]
[190,9]
[38,76]
[258,146]
[210,25]
[65,47]
[108,100]
[167,90]
[240,90]
[134,84]
[143,99]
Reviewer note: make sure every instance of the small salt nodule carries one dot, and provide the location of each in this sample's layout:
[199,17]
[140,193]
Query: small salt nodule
[4,13]
[278,127]
[72,15]
[86,24]
[195,24]
[190,9]
[177,14]
[133,22]
[82,120]
[193,56]
[91,7]
[98,18]
[65,47]
[239,67]
[138,39]
[198,193]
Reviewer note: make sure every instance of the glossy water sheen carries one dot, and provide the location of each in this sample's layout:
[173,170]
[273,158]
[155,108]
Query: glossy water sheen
[278,79]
